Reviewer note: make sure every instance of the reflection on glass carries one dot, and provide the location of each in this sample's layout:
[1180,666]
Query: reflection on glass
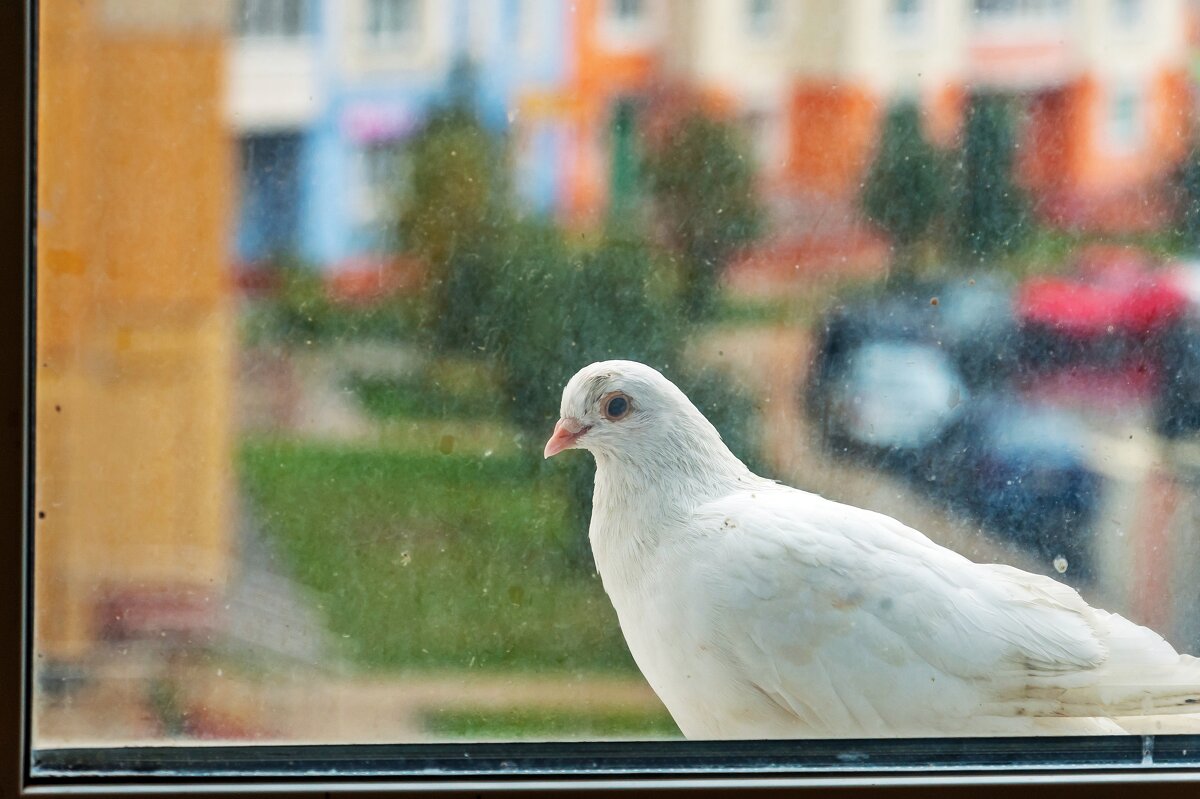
[306,311]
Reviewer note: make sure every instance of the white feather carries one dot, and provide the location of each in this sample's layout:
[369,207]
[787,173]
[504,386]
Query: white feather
[756,610]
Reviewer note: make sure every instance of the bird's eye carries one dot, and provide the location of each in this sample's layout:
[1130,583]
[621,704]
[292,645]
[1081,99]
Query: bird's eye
[615,406]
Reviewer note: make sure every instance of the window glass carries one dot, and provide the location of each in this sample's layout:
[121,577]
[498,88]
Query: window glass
[761,16]
[628,11]
[270,18]
[392,19]
[304,327]
[907,16]
[1124,123]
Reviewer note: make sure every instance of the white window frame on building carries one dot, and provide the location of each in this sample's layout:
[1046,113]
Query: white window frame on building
[384,23]
[1127,16]
[629,24]
[528,26]
[1124,118]
[380,175]
[1023,13]
[907,19]
[762,18]
[271,19]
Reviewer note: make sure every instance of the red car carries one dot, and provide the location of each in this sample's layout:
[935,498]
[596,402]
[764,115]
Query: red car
[1097,334]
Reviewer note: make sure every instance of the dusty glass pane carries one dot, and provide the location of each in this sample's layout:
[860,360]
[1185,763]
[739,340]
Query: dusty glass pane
[312,277]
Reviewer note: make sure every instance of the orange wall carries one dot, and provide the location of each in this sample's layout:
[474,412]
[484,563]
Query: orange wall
[831,135]
[133,330]
[598,76]
[1070,164]
[1064,158]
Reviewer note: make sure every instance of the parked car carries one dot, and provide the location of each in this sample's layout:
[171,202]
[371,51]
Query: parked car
[891,371]
[1098,331]
[1177,409]
[1021,468]
[971,319]
[892,399]
[916,381]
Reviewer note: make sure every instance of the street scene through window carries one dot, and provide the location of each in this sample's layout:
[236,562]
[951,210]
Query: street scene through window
[312,277]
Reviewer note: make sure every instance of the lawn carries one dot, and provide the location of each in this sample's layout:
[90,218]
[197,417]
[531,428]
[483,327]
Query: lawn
[425,560]
[525,724]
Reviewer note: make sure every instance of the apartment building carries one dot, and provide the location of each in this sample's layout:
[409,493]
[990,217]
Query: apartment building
[322,96]
[1105,84]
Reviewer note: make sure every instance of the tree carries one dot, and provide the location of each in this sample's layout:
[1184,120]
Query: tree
[560,310]
[993,213]
[454,217]
[702,183]
[904,192]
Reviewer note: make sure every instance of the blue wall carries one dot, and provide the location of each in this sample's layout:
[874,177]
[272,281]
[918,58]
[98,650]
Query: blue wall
[329,234]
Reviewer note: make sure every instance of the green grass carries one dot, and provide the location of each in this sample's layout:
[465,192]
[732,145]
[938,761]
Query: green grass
[528,723]
[442,389]
[1050,250]
[430,560]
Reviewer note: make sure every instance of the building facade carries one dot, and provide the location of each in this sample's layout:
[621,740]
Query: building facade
[323,95]
[1104,83]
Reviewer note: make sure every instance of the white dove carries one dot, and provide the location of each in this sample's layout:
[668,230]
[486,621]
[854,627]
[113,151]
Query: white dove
[756,610]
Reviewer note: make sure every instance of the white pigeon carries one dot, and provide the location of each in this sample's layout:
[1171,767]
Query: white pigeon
[756,610]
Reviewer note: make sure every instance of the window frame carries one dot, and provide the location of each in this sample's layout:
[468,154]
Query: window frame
[899,766]
[385,39]
[1124,135]
[302,33]
[761,23]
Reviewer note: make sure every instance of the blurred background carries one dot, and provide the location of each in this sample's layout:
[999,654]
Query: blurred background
[311,276]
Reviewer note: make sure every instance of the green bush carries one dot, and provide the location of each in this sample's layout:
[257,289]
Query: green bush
[993,212]
[455,216]
[905,188]
[702,180]
[300,313]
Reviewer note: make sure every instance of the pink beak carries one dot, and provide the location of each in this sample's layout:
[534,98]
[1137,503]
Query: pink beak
[566,433]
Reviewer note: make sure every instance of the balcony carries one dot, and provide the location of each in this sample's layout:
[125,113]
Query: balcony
[1020,44]
[272,83]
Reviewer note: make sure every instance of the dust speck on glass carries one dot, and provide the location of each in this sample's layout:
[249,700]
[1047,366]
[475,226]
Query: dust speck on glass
[297,367]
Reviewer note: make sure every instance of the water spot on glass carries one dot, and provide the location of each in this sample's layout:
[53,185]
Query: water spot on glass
[1060,564]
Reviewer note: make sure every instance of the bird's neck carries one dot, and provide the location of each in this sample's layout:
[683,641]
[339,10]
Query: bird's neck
[643,503]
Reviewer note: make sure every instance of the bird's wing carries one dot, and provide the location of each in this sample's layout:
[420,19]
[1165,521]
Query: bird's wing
[841,595]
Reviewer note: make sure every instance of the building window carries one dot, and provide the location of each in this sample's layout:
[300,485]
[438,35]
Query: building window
[628,23]
[390,20]
[522,24]
[382,176]
[1021,8]
[271,19]
[1124,120]
[762,17]
[1127,14]
[907,17]
[627,12]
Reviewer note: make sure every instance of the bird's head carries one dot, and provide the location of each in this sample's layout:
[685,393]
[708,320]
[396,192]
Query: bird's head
[629,410]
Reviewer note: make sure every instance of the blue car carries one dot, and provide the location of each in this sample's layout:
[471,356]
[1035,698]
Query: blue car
[1021,468]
